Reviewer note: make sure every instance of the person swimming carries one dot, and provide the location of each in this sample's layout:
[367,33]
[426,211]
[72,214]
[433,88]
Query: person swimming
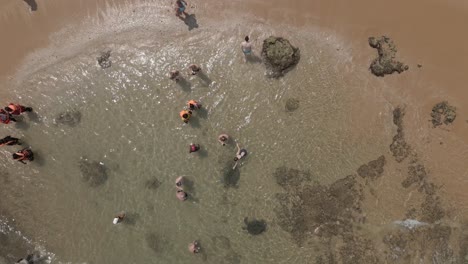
[193,105]
[194,247]
[194,147]
[181,195]
[185,115]
[24,154]
[9,141]
[174,75]
[194,69]
[241,153]
[223,139]
[17,109]
[180,183]
[5,117]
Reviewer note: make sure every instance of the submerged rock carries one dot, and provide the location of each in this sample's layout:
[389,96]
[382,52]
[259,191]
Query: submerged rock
[292,104]
[399,147]
[254,227]
[443,113]
[374,169]
[69,118]
[104,60]
[279,55]
[93,172]
[385,63]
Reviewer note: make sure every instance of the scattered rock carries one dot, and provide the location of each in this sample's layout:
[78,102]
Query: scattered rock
[153,184]
[385,63]
[292,104]
[419,65]
[432,210]
[443,113]
[93,172]
[69,118]
[372,170]
[255,227]
[104,60]
[416,174]
[279,55]
[399,148]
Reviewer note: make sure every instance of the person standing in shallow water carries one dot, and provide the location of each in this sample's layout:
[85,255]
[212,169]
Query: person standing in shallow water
[180,6]
[17,109]
[246,47]
[9,141]
[174,75]
[24,154]
[194,247]
[223,139]
[194,69]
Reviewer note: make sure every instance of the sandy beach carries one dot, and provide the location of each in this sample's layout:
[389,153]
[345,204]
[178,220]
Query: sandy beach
[423,172]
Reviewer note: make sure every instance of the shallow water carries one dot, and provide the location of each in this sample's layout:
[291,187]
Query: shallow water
[129,122]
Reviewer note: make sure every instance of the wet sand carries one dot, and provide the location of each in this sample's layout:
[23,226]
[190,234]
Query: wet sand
[416,28]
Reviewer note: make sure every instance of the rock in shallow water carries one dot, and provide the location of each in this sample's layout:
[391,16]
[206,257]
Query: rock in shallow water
[279,55]
[292,104]
[69,118]
[443,113]
[385,63]
[255,227]
[93,172]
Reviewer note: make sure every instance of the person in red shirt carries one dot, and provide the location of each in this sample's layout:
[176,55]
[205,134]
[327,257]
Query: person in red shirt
[17,109]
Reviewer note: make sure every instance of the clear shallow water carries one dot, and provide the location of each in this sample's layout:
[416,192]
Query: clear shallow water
[130,123]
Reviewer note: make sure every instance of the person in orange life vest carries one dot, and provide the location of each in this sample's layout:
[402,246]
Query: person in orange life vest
[6,117]
[193,105]
[24,154]
[17,109]
[185,115]
[10,141]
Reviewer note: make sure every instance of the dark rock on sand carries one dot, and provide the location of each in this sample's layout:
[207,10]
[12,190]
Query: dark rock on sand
[385,63]
[69,118]
[292,104]
[254,227]
[279,55]
[399,148]
[104,60]
[443,113]
[372,170]
[431,209]
[93,172]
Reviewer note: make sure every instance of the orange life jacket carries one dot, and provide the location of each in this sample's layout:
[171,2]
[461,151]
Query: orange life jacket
[185,115]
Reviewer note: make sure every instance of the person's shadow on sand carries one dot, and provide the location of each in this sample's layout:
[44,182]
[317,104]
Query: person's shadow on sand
[191,21]
[32,4]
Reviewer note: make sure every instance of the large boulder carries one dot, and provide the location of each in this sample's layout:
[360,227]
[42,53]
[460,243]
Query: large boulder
[385,63]
[279,55]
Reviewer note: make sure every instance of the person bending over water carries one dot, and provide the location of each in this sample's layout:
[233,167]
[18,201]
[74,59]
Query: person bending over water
[194,247]
[119,218]
[194,147]
[181,195]
[180,6]
[9,141]
[246,47]
[193,105]
[241,153]
[223,139]
[5,117]
[17,109]
[24,154]
[194,69]
[174,75]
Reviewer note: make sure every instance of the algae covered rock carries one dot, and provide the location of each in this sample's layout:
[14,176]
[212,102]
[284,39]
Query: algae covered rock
[104,59]
[279,55]
[443,113]
[69,118]
[254,226]
[93,172]
[292,104]
[385,63]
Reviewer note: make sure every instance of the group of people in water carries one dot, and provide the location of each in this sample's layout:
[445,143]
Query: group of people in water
[6,116]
